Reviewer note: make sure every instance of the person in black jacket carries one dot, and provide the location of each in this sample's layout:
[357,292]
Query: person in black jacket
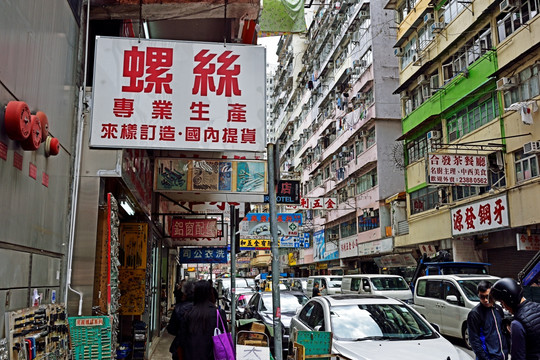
[525,327]
[486,335]
[176,324]
[200,323]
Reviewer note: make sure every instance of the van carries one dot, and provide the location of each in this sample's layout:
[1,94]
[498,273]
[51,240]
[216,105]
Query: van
[393,286]
[330,284]
[445,300]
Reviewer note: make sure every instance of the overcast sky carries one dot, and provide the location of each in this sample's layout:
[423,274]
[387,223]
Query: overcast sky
[271,43]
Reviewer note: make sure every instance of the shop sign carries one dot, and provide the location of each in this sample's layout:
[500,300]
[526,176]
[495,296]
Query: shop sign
[485,215]
[458,169]
[93,321]
[348,247]
[294,241]
[528,242]
[293,258]
[288,192]
[220,240]
[255,244]
[162,94]
[396,260]
[322,203]
[191,269]
[194,228]
[203,256]
[429,250]
[281,217]
[375,247]
[210,176]
[323,250]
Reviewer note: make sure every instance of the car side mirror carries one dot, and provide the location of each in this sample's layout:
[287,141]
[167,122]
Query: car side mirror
[452,299]
[367,288]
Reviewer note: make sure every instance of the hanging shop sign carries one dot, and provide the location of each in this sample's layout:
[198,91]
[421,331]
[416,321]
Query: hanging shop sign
[485,215]
[323,250]
[193,228]
[322,203]
[281,217]
[458,169]
[160,94]
[429,250]
[210,176]
[348,247]
[256,226]
[220,240]
[375,247]
[528,242]
[288,192]
[294,241]
[255,244]
[203,255]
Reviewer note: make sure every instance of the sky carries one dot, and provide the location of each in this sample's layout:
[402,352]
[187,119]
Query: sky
[270,43]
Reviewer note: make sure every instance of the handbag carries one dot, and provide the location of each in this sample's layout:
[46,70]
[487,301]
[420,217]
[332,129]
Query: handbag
[223,344]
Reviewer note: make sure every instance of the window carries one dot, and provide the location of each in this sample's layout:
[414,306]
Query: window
[526,166]
[355,284]
[451,289]
[348,228]
[359,147]
[452,9]
[409,53]
[371,137]
[434,289]
[368,221]
[306,312]
[507,23]
[529,86]
[366,181]
[424,199]
[316,317]
[418,148]
[472,117]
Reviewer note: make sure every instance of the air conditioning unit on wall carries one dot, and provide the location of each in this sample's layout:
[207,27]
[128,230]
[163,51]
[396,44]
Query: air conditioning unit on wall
[531,147]
[506,83]
[508,5]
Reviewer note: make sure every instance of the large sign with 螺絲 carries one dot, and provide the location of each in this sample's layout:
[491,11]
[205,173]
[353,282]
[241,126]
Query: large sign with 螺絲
[158,94]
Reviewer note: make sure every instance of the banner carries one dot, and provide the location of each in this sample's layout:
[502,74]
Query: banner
[193,228]
[202,256]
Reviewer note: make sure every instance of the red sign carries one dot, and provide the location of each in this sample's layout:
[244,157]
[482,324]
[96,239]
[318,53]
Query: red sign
[17,160]
[33,171]
[45,179]
[194,228]
[3,150]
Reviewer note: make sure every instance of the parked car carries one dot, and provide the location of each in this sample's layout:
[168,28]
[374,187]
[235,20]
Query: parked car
[393,286]
[366,327]
[260,307]
[298,284]
[446,300]
[242,302]
[223,286]
[330,284]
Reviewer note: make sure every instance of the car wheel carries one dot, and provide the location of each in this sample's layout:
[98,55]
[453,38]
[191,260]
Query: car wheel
[465,335]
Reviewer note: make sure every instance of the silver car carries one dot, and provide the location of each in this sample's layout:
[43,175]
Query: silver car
[367,327]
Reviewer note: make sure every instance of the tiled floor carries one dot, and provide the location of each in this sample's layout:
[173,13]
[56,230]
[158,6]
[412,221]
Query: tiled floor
[161,350]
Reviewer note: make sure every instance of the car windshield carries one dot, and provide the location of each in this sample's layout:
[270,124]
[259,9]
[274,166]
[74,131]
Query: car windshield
[334,282]
[288,302]
[389,283]
[250,282]
[378,321]
[469,288]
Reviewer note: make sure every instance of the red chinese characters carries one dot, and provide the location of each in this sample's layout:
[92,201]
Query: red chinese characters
[458,169]
[485,215]
[147,71]
[194,228]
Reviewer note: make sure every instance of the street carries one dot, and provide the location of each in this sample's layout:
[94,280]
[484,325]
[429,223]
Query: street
[460,344]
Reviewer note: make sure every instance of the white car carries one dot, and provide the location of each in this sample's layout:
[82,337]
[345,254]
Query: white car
[369,327]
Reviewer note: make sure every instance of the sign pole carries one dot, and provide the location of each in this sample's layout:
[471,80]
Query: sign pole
[232,232]
[278,340]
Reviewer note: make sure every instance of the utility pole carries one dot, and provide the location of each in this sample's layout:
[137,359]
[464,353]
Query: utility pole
[276,303]
[232,231]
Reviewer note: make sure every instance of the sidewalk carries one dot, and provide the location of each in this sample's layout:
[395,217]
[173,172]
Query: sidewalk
[161,350]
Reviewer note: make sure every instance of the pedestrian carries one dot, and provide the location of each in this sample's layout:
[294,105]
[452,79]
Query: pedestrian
[178,291]
[200,323]
[176,325]
[525,328]
[316,290]
[486,334]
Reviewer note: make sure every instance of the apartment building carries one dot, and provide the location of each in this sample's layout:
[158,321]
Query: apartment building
[336,122]
[469,85]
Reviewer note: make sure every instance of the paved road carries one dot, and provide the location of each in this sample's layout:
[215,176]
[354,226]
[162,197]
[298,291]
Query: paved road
[460,344]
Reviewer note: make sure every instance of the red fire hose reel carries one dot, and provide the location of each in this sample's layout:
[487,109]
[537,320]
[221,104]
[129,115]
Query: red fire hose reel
[29,130]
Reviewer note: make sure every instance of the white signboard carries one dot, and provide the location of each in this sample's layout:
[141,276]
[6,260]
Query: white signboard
[458,169]
[528,242]
[348,247]
[245,352]
[375,247]
[485,215]
[325,203]
[158,94]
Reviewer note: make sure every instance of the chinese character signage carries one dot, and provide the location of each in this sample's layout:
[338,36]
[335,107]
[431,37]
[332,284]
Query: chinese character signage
[215,176]
[528,242]
[281,217]
[348,247]
[220,240]
[203,255]
[159,94]
[315,204]
[485,215]
[255,244]
[288,192]
[458,169]
[324,250]
[193,228]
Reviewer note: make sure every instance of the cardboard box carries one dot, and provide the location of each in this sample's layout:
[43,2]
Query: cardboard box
[258,327]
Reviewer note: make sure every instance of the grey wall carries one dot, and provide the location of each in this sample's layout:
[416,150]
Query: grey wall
[39,44]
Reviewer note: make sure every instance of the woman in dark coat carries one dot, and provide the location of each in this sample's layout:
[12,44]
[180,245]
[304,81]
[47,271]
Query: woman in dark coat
[176,325]
[200,323]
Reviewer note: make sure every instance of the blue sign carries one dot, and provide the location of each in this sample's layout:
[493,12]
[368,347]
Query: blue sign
[281,217]
[203,256]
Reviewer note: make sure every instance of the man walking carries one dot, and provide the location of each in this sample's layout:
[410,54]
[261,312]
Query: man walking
[525,327]
[485,330]
[316,290]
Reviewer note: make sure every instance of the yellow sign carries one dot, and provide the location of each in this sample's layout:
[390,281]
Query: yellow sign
[255,244]
[321,266]
[191,269]
[292,258]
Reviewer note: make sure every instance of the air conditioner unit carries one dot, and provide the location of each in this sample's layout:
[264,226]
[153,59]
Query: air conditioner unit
[363,13]
[437,26]
[433,135]
[428,17]
[398,52]
[333,236]
[531,147]
[506,83]
[507,5]
[422,79]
